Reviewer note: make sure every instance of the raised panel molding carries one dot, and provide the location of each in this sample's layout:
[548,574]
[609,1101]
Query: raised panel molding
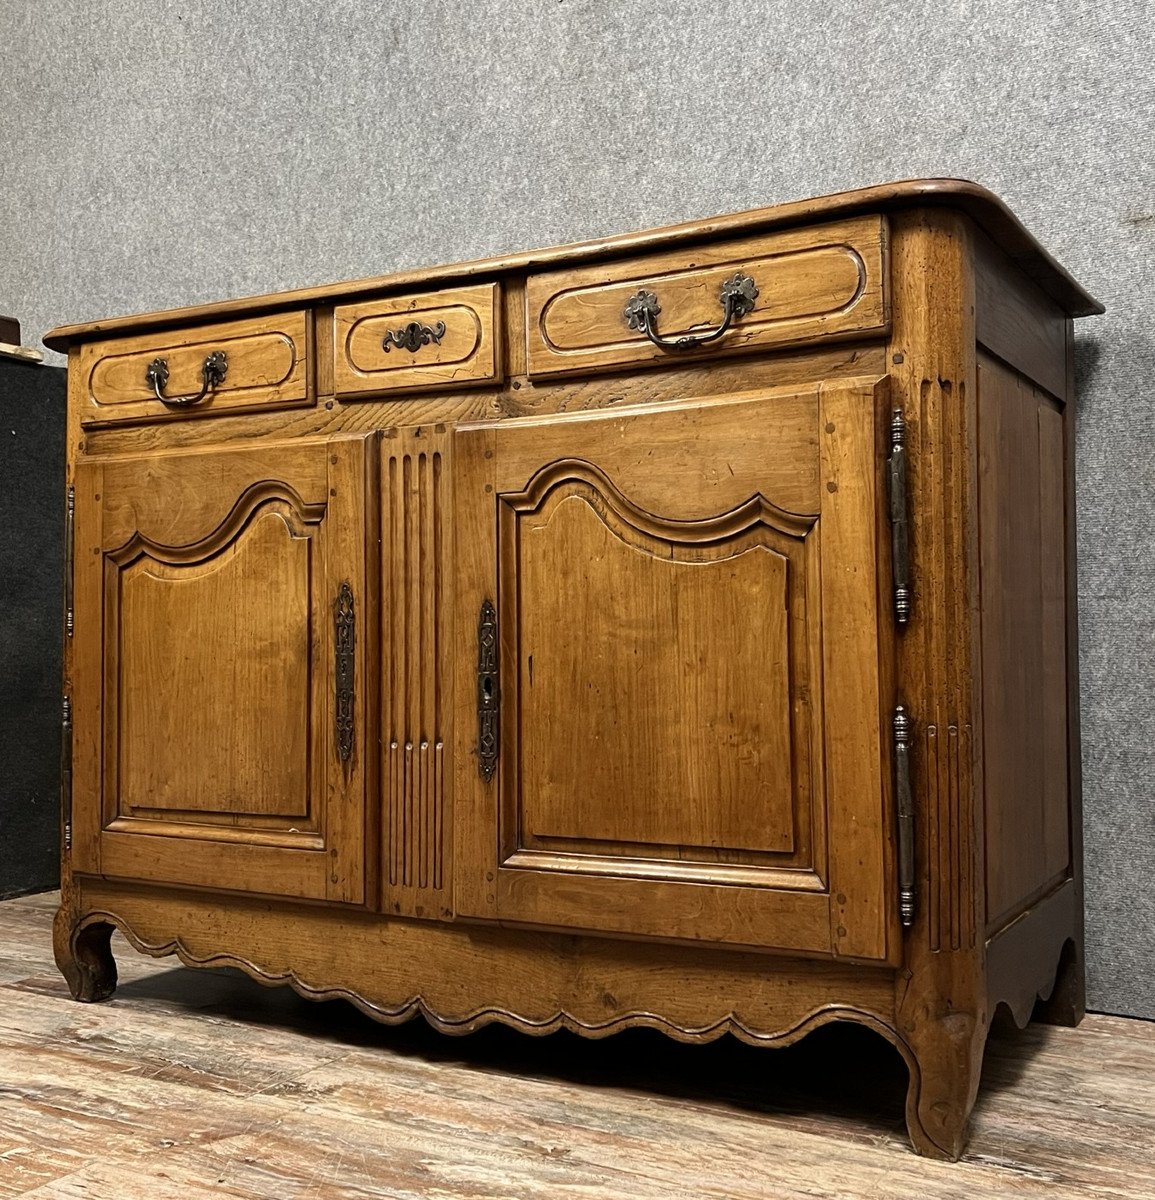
[652,713]
[625,518]
[606,571]
[173,615]
[296,513]
[205,696]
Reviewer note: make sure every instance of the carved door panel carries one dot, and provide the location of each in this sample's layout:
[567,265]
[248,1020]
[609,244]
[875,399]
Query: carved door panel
[219,680]
[674,725]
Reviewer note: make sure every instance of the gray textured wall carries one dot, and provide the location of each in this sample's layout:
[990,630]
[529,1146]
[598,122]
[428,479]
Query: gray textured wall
[167,153]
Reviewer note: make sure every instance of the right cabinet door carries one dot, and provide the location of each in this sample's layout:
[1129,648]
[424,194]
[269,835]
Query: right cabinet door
[670,679]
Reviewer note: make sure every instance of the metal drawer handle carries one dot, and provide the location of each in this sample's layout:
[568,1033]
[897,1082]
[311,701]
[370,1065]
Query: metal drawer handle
[738,296]
[216,367]
[413,336]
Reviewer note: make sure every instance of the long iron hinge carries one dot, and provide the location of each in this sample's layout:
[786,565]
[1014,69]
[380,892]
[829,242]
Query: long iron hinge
[488,692]
[69,554]
[66,772]
[899,528]
[905,805]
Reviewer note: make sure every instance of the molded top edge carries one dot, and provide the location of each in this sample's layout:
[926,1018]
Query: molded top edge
[982,205]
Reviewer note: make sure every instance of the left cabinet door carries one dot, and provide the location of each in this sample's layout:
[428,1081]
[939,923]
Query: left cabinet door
[219,675]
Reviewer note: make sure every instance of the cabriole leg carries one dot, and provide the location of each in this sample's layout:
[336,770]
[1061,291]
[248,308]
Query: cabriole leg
[945,1066]
[84,956]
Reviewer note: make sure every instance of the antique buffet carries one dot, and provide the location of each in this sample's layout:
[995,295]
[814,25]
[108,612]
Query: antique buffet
[672,630]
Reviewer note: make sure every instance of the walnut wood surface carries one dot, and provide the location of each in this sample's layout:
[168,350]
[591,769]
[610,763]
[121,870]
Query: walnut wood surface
[691,825]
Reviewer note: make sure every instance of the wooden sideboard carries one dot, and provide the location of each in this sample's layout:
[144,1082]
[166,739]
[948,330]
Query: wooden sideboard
[673,630]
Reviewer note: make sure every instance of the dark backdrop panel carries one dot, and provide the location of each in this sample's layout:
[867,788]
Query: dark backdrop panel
[31,583]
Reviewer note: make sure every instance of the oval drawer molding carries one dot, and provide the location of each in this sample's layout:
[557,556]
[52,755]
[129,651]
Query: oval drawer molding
[417,343]
[811,284]
[267,361]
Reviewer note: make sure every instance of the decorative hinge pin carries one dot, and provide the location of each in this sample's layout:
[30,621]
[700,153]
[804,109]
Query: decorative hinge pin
[69,554]
[905,805]
[899,528]
[66,771]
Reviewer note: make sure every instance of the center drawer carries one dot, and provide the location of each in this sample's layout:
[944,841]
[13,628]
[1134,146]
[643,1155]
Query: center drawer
[792,287]
[414,343]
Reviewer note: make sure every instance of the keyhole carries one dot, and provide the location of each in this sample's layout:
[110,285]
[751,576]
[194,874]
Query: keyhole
[487,687]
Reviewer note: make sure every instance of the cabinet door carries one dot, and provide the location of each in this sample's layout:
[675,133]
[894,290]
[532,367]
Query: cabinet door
[219,686]
[672,725]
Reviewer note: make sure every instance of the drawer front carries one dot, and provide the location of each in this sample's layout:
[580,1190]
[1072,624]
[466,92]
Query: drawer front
[265,365]
[812,284]
[417,343]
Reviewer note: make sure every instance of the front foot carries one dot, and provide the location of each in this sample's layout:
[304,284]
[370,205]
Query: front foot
[84,955]
[944,1078]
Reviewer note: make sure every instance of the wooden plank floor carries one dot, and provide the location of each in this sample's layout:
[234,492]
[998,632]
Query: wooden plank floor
[193,1084]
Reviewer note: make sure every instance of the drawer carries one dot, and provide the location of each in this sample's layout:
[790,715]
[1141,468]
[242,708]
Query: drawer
[417,343]
[261,363]
[820,282]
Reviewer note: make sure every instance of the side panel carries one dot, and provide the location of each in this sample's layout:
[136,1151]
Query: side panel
[1024,644]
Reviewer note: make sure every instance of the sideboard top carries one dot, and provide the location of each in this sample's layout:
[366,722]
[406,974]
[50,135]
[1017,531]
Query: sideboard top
[982,205]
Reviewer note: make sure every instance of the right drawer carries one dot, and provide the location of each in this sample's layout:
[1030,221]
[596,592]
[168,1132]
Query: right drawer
[814,283]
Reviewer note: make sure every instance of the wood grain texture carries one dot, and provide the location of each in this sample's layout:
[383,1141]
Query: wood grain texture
[1024,640]
[1027,959]
[946,753]
[467,352]
[815,283]
[461,977]
[517,397]
[268,367]
[855,637]
[1068,1001]
[219,1088]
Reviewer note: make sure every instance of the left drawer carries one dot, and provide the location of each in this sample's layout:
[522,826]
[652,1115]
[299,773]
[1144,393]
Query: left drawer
[234,366]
